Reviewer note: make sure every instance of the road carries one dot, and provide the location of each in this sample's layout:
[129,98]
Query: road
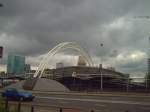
[99,103]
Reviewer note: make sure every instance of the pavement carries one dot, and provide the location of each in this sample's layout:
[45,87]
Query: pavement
[98,103]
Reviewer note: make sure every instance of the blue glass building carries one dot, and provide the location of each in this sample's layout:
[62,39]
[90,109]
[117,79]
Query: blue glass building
[15,64]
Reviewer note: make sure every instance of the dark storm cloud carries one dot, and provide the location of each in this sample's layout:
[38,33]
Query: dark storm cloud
[32,27]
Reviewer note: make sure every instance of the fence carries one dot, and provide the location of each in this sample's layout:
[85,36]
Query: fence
[108,84]
[14,106]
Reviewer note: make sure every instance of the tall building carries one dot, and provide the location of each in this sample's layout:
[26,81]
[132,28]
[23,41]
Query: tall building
[15,64]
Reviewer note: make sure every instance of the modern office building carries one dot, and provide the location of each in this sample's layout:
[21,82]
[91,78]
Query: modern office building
[15,64]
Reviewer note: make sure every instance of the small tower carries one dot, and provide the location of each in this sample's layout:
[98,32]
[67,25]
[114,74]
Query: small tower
[81,61]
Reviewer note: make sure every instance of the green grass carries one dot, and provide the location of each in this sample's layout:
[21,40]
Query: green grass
[2,107]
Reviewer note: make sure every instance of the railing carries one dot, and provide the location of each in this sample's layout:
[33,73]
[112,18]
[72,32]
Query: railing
[109,85]
[19,106]
[114,85]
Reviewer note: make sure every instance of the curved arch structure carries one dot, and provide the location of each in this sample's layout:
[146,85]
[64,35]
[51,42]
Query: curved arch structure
[58,48]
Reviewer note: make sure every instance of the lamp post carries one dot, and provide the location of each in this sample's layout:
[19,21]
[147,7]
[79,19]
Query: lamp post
[74,80]
[101,68]
[127,88]
[146,82]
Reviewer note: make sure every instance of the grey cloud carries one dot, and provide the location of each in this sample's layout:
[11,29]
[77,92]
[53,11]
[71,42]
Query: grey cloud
[32,27]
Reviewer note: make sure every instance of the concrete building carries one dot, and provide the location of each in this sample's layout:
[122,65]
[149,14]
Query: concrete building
[15,65]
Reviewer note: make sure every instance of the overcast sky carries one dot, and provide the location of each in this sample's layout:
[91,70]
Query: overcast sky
[33,27]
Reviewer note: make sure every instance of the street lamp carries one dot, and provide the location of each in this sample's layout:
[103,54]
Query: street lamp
[101,68]
[74,79]
[101,80]
[128,81]
[146,82]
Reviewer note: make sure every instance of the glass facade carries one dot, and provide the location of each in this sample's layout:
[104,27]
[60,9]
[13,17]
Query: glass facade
[15,64]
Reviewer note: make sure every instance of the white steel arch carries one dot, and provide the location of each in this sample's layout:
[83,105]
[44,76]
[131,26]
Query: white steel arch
[58,48]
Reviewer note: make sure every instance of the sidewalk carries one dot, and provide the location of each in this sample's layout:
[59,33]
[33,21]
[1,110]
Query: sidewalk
[129,94]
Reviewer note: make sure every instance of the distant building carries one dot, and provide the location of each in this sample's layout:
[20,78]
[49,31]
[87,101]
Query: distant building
[59,65]
[81,61]
[15,64]
[27,68]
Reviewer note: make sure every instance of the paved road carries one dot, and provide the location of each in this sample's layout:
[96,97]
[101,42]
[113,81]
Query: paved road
[100,103]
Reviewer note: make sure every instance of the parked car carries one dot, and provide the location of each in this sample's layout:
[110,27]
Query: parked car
[14,94]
